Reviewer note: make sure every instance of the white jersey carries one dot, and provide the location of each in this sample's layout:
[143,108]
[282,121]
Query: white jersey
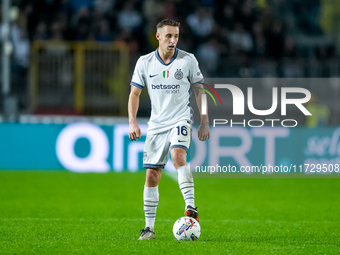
[168,86]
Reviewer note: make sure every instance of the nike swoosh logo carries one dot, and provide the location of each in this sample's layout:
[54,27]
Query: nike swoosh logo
[152,75]
[181,141]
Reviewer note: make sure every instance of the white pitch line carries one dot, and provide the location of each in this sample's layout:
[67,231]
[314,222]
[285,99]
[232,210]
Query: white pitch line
[172,175]
[164,220]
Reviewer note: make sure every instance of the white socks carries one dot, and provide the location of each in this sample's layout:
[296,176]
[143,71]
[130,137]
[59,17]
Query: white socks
[151,197]
[186,184]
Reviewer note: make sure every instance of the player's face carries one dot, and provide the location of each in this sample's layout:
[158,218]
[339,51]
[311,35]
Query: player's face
[168,38]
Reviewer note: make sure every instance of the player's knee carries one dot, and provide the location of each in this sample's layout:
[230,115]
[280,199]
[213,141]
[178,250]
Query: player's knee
[178,158]
[152,176]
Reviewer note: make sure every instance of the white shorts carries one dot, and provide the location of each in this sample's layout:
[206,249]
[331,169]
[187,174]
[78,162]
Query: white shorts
[157,147]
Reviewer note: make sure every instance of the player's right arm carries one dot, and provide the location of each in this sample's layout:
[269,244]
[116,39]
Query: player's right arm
[134,130]
[137,84]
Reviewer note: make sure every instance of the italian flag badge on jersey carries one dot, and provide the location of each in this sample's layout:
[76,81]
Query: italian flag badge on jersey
[166,74]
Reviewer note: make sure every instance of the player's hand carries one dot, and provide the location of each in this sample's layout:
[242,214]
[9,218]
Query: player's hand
[134,132]
[203,132]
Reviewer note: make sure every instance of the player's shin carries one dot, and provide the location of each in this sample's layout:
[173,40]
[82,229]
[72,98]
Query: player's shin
[151,197]
[186,184]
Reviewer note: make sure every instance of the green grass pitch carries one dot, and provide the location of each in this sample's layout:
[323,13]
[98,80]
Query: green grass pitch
[68,213]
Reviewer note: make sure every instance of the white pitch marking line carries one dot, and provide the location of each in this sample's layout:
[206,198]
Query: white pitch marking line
[163,220]
[172,175]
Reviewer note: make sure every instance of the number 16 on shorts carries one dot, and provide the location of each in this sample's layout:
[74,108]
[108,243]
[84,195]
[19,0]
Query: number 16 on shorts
[181,137]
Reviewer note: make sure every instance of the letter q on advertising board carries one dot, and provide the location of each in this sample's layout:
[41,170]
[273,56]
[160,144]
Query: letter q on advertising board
[95,160]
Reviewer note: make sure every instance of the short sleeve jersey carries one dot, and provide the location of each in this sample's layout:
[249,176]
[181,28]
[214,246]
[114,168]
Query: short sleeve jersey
[168,87]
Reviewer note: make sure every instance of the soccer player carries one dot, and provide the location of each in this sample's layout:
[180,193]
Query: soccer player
[169,74]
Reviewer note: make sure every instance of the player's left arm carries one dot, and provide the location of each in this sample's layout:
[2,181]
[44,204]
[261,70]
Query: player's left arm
[203,129]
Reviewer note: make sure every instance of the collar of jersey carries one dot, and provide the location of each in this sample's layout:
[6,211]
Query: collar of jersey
[160,60]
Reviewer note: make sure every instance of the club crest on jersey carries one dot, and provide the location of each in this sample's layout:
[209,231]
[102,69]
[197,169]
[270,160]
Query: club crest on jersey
[166,74]
[179,74]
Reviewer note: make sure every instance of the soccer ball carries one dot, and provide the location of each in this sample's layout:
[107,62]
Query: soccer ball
[186,229]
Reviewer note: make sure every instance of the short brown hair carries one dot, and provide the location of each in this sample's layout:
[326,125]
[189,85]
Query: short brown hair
[168,22]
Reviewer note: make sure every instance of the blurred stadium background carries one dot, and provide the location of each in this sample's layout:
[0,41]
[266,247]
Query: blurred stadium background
[66,68]
[76,57]
[71,61]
